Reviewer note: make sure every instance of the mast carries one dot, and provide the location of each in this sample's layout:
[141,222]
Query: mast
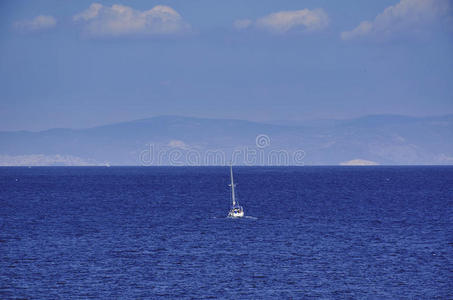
[232,185]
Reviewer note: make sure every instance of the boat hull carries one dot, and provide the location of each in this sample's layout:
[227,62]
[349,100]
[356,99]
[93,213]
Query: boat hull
[233,214]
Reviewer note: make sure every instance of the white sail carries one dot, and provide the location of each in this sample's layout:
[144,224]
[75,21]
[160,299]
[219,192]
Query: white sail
[236,210]
[232,186]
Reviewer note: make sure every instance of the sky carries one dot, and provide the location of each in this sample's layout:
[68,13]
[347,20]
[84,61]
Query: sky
[79,64]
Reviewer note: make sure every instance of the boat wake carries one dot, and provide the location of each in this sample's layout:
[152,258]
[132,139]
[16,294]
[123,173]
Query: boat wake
[242,218]
[245,217]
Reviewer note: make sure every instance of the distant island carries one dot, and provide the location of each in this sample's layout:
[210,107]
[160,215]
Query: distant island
[176,140]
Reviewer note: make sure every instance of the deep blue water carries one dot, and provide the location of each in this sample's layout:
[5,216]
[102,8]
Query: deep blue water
[143,233]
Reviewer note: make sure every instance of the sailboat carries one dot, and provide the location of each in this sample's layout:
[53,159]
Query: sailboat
[236,211]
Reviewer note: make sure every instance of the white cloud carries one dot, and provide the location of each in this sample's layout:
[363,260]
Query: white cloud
[178,144]
[404,16]
[285,21]
[90,13]
[40,22]
[359,162]
[120,20]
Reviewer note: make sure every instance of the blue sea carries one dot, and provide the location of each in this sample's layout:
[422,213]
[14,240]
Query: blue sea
[162,232]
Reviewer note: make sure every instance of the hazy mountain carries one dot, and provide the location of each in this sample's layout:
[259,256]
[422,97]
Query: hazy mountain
[381,139]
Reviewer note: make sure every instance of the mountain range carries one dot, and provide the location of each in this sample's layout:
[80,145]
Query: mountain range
[176,140]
